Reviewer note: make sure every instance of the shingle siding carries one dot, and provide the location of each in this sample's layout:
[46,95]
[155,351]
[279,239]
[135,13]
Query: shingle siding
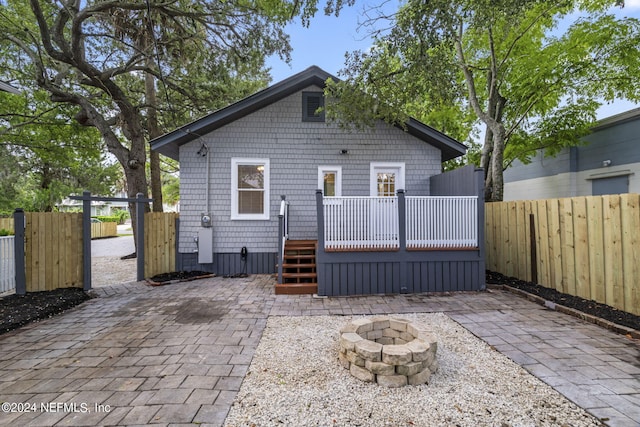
[295,149]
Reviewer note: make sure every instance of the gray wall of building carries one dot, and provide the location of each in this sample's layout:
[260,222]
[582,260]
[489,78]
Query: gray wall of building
[609,151]
[295,150]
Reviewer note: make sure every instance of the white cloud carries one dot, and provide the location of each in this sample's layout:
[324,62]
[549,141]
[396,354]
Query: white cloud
[632,4]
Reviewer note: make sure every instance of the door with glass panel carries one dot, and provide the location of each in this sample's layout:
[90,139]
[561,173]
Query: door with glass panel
[386,180]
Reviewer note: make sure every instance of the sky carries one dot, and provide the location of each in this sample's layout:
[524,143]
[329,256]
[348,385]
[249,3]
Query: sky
[327,39]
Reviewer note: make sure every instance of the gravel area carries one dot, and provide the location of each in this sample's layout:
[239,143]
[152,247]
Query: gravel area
[106,271]
[295,379]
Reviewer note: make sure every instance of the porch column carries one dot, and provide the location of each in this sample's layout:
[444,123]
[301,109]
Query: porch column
[320,254]
[402,241]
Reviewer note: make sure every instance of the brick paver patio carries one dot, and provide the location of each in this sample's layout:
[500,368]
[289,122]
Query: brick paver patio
[177,354]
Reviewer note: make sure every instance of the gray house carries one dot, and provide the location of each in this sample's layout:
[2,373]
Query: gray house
[267,186]
[607,163]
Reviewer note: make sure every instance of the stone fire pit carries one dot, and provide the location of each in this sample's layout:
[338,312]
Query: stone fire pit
[390,352]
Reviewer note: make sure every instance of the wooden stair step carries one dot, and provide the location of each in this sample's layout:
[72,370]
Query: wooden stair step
[299,275]
[296,289]
[299,256]
[298,265]
[301,242]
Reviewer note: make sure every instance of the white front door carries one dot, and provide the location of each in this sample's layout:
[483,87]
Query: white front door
[386,179]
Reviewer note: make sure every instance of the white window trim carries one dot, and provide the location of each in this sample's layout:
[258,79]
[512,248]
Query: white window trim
[235,162]
[373,179]
[338,171]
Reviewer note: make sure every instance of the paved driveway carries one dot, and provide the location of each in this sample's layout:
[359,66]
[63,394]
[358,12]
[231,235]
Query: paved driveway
[177,354]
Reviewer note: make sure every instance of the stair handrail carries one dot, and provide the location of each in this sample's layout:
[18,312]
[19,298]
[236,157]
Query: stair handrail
[283,226]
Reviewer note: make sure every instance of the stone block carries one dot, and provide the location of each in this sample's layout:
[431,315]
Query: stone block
[380,323]
[391,380]
[348,340]
[428,361]
[406,336]
[419,378]
[391,333]
[344,362]
[385,340]
[434,365]
[349,327]
[374,335]
[410,368]
[396,354]
[399,341]
[361,373]
[379,368]
[363,325]
[369,350]
[419,350]
[354,358]
[399,325]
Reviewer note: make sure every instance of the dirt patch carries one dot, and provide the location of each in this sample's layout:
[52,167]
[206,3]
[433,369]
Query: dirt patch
[16,311]
[584,305]
[179,276]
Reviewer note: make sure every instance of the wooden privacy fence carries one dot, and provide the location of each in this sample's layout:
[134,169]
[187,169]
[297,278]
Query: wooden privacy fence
[53,250]
[160,237]
[6,224]
[98,229]
[104,229]
[583,246]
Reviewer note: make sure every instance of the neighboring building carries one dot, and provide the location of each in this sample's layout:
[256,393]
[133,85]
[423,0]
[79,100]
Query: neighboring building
[237,163]
[608,163]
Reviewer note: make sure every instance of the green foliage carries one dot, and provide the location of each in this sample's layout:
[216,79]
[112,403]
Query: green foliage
[46,155]
[4,232]
[171,189]
[119,216]
[495,66]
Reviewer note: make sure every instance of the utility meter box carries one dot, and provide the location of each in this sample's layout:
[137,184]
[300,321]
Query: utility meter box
[205,245]
[205,219]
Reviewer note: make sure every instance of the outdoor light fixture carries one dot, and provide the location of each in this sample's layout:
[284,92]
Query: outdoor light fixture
[606,163]
[203,150]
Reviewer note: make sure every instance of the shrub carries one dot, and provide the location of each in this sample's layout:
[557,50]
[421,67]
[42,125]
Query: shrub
[4,232]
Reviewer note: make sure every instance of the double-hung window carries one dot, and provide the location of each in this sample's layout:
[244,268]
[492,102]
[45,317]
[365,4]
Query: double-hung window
[249,188]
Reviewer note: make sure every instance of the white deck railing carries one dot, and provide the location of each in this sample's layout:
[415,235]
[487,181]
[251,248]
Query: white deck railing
[7,265]
[372,223]
[442,222]
[361,223]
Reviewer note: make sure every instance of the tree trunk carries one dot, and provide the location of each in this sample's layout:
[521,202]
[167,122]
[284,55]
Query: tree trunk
[497,165]
[136,183]
[154,132]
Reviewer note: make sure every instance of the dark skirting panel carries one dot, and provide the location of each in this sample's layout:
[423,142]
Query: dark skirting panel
[368,273]
[230,264]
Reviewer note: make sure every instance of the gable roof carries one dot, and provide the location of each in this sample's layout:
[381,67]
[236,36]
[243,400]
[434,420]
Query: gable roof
[6,87]
[169,143]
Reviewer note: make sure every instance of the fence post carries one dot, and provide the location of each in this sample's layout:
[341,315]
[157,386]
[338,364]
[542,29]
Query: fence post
[86,240]
[18,247]
[534,255]
[140,235]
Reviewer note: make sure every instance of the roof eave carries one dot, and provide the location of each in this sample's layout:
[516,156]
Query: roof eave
[449,147]
[169,143]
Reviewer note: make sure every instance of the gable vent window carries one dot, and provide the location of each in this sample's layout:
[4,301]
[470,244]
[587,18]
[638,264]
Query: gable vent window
[311,102]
